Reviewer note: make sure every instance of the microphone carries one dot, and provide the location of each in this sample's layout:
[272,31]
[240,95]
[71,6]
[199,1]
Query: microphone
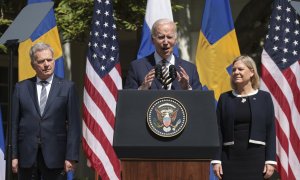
[172,72]
[172,75]
[158,71]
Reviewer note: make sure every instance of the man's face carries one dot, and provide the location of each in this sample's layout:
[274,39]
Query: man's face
[164,40]
[43,64]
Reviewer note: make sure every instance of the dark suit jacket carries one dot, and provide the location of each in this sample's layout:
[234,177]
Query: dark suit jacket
[58,129]
[139,68]
[262,128]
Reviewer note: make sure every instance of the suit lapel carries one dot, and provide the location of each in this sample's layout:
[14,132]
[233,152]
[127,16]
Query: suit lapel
[33,93]
[55,87]
[175,83]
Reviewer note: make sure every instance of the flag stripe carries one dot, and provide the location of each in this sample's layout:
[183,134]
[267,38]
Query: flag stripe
[115,78]
[104,90]
[296,69]
[282,130]
[111,86]
[291,79]
[291,174]
[98,102]
[97,114]
[282,161]
[97,152]
[98,133]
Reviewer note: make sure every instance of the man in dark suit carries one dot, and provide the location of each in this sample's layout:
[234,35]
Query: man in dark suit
[46,121]
[141,74]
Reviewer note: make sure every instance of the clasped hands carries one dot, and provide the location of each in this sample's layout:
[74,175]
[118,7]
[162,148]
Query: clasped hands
[182,77]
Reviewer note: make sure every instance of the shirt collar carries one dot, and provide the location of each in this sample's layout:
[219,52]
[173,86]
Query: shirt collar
[158,58]
[245,95]
[49,80]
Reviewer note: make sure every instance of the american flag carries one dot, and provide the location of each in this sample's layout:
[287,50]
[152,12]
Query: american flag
[101,84]
[281,77]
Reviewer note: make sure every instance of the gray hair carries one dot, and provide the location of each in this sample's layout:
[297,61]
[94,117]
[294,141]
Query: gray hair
[39,47]
[249,62]
[161,22]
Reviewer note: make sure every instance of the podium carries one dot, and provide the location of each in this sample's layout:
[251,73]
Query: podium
[146,155]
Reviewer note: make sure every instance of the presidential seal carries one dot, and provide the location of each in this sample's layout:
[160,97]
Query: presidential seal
[166,117]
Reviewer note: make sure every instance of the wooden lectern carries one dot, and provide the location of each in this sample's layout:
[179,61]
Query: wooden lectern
[145,155]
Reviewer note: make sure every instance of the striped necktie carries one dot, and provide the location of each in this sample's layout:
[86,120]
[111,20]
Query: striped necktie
[43,97]
[165,73]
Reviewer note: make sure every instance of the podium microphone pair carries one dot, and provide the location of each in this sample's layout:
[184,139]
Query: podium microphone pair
[170,78]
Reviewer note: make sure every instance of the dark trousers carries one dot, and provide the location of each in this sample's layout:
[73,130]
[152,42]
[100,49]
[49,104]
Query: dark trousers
[39,171]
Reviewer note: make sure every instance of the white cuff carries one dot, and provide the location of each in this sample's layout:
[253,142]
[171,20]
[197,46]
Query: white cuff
[271,162]
[215,162]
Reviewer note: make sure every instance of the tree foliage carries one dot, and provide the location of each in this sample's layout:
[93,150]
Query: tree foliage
[74,17]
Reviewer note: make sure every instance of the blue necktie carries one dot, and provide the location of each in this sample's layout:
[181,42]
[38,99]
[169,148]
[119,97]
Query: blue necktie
[43,97]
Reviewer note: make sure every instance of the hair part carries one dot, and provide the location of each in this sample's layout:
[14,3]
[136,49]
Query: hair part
[249,62]
[162,22]
[39,47]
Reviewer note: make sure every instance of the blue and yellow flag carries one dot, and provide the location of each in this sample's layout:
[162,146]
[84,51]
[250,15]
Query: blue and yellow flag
[46,32]
[217,47]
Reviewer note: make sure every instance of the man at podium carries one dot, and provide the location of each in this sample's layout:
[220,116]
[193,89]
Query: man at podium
[161,69]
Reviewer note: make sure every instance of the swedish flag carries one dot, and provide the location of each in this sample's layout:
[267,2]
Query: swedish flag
[217,46]
[46,32]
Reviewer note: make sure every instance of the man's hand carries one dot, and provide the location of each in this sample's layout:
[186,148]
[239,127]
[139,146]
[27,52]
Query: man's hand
[148,80]
[183,79]
[15,165]
[69,165]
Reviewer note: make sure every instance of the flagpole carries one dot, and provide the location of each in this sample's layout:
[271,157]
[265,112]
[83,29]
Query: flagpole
[11,44]
[96,176]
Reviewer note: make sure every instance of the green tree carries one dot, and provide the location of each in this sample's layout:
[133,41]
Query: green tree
[74,17]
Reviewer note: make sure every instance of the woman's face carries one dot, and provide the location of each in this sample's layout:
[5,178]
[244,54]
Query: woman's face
[241,74]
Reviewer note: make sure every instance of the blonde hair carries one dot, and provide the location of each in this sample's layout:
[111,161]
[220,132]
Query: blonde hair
[249,62]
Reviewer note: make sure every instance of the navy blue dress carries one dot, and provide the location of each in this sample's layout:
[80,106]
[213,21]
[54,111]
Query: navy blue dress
[243,160]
